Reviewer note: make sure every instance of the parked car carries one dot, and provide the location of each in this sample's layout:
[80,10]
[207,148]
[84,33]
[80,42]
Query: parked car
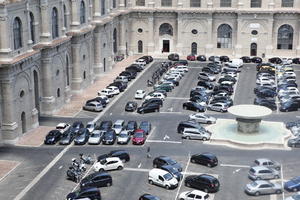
[91,126]
[153,100]
[118,126]
[289,106]
[155,95]
[105,125]
[103,100]
[121,85]
[146,126]
[109,137]
[122,154]
[131,106]
[275,60]
[122,79]
[260,187]
[96,137]
[292,185]
[86,192]
[193,195]
[207,159]
[204,182]
[123,137]
[256,60]
[148,197]
[131,127]
[139,137]
[201,58]
[62,127]
[195,133]
[220,107]
[82,136]
[190,105]
[246,59]
[165,160]
[140,94]
[206,76]
[97,179]
[52,137]
[114,89]
[106,92]
[67,137]
[202,118]
[187,124]
[173,171]
[110,163]
[173,57]
[93,106]
[267,163]
[152,107]
[261,172]
[191,57]
[205,84]
[162,178]
[295,142]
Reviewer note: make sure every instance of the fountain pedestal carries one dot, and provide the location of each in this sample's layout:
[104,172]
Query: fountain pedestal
[248,125]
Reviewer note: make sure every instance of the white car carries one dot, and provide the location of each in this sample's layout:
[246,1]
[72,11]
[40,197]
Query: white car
[110,163]
[155,95]
[183,67]
[62,127]
[114,89]
[106,92]
[123,137]
[193,195]
[140,94]
[219,107]
[96,137]
[91,126]
[263,80]
[294,197]
[201,118]
[105,98]
[206,76]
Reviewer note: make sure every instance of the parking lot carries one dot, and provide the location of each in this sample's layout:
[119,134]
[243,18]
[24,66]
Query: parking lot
[132,181]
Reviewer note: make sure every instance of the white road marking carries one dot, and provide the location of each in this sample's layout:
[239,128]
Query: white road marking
[237,170]
[139,166]
[151,133]
[185,171]
[281,171]
[273,197]
[166,137]
[170,109]
[178,98]
[171,112]
[240,166]
[60,167]
[110,113]
[136,169]
[163,141]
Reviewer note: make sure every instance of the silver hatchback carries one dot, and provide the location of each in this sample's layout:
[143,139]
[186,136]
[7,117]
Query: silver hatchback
[261,172]
[195,133]
[263,187]
[267,163]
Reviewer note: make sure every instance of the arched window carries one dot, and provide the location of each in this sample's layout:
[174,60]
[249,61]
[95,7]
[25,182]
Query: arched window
[165,29]
[102,7]
[17,31]
[140,2]
[285,37]
[166,2]
[255,4]
[194,48]
[224,39]
[115,49]
[54,23]
[287,3]
[31,24]
[140,46]
[82,12]
[65,17]
[195,3]
[225,3]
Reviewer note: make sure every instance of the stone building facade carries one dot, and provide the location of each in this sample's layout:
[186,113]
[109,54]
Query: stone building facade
[50,50]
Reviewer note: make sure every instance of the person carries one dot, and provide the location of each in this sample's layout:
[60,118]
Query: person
[148,152]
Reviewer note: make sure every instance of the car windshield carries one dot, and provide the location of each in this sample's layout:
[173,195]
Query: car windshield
[171,161]
[139,134]
[253,184]
[172,170]
[102,162]
[89,126]
[95,135]
[130,126]
[123,135]
[168,176]
[117,126]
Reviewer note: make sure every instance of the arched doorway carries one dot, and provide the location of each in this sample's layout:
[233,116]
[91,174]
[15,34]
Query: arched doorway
[253,49]
[115,47]
[194,48]
[166,34]
[36,90]
[140,46]
[104,64]
[23,122]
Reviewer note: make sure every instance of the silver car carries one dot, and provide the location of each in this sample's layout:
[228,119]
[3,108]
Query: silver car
[118,126]
[294,197]
[261,172]
[206,76]
[219,107]
[260,187]
[96,137]
[267,163]
[123,137]
[194,133]
[201,118]
[93,106]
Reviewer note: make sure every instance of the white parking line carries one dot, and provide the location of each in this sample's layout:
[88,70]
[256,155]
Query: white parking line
[171,112]
[229,165]
[151,133]
[281,171]
[163,141]
[179,98]
[185,171]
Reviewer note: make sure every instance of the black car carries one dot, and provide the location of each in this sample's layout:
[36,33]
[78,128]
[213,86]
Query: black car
[296,60]
[120,85]
[256,60]
[99,100]
[153,100]
[227,78]
[131,106]
[52,137]
[204,182]
[198,93]
[172,80]
[210,70]
[201,58]
[267,102]
[222,87]
[148,59]
[214,58]
[295,142]
[76,126]
[151,107]
[188,124]
[246,59]
[96,179]
[224,59]
[173,171]
[206,84]
[207,159]
[122,154]
[82,136]
[129,74]
[275,60]
[109,137]
[136,68]
[146,126]
[289,106]
[148,197]
[85,193]
[190,105]
[199,99]
[105,125]
[165,160]
[131,126]
[266,92]
[182,62]
[67,137]
[173,57]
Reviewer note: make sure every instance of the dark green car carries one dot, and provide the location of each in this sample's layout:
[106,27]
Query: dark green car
[166,88]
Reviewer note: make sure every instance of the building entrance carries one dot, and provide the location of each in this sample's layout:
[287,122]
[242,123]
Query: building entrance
[166,46]
[253,49]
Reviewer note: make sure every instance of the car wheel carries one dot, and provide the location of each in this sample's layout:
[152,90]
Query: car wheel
[143,112]
[208,165]
[108,184]
[184,107]
[120,168]
[257,193]
[193,160]
[277,168]
[155,166]
[206,190]
[101,170]
[198,110]
[222,111]
[187,185]
[151,182]
[156,110]
[278,191]
[167,187]
[293,145]
[295,190]
[204,139]
[276,177]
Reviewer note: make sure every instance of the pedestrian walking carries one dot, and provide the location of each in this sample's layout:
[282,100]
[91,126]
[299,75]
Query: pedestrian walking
[148,152]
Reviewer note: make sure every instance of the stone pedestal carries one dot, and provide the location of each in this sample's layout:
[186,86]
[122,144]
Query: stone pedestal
[248,125]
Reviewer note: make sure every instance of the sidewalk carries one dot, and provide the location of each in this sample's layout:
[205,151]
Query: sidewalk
[77,100]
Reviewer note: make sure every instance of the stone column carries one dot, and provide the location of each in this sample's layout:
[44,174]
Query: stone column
[76,72]
[271,4]
[209,46]
[9,125]
[4,41]
[121,4]
[47,100]
[122,32]
[97,9]
[98,68]
[238,43]
[29,39]
[179,34]
[75,16]
[150,35]
[298,44]
[179,4]
[45,27]
[269,47]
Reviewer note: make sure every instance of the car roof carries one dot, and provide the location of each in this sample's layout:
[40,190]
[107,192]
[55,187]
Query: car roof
[263,160]
[259,182]
[61,124]
[119,121]
[198,192]
[113,159]
[257,168]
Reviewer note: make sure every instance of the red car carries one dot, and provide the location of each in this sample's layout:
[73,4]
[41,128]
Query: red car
[139,137]
[191,57]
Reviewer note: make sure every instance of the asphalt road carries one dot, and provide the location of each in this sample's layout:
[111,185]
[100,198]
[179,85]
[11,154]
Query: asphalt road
[131,182]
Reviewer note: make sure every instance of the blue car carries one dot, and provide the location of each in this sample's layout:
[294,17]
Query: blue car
[293,185]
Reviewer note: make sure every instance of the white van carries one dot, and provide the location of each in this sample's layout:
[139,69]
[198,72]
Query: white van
[162,178]
[236,62]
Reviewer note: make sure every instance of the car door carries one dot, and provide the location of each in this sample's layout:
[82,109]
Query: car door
[160,180]
[195,135]
[265,189]
[191,196]
[111,165]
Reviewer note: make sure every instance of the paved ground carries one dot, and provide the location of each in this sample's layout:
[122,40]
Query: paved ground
[131,182]
[6,166]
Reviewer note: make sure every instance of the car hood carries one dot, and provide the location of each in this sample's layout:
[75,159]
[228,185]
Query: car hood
[65,139]
[137,139]
[122,138]
[291,184]
[177,166]
[117,130]
[71,195]
[80,137]
[190,177]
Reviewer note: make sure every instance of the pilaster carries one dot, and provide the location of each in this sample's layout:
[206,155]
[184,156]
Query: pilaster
[179,33]
[4,42]
[75,16]
[122,30]
[151,35]
[76,72]
[209,33]
[45,36]
[238,43]
[269,47]
[97,9]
